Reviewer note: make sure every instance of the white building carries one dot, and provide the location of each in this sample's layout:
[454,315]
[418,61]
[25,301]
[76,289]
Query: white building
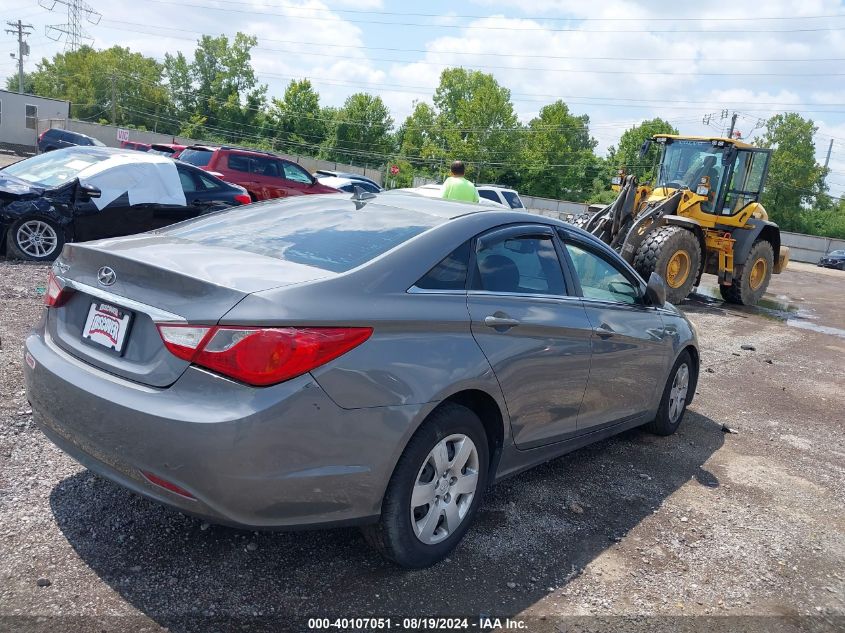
[19,116]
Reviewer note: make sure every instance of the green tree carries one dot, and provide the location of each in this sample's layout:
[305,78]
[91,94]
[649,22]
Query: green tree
[476,123]
[98,83]
[360,131]
[627,154]
[297,120]
[12,83]
[558,156]
[795,179]
[220,85]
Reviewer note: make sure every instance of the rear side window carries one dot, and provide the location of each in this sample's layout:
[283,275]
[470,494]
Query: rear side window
[334,238]
[489,195]
[521,264]
[450,273]
[238,162]
[198,157]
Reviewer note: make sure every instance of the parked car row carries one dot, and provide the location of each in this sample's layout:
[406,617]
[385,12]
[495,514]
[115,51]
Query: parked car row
[66,178]
[264,175]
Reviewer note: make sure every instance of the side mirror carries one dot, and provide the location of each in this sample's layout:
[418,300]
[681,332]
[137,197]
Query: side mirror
[656,290]
[89,191]
[645,147]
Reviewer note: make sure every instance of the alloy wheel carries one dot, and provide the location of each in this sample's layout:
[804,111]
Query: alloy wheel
[678,393]
[36,238]
[444,488]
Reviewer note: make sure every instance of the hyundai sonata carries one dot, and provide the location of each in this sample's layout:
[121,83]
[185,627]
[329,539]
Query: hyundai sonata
[327,360]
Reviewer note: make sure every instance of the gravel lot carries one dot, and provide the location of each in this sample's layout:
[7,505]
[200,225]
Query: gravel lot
[749,524]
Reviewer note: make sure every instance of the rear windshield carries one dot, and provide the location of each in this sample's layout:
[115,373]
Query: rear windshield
[198,157]
[334,239]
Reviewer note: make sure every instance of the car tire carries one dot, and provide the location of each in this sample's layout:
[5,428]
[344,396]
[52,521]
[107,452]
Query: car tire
[749,284]
[420,536]
[676,396]
[51,239]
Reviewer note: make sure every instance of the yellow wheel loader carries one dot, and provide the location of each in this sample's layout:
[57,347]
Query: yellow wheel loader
[702,214]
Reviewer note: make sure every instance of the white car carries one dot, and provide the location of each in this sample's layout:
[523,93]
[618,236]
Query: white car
[503,195]
[434,190]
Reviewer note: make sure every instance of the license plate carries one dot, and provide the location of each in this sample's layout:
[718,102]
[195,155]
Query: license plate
[107,325]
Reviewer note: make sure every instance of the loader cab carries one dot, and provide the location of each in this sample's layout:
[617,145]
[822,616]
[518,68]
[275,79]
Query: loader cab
[729,173]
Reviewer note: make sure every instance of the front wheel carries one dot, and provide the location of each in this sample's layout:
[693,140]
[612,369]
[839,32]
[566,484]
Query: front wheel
[676,395]
[435,490]
[35,239]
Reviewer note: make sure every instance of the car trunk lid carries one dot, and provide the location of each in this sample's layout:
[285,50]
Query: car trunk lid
[156,279]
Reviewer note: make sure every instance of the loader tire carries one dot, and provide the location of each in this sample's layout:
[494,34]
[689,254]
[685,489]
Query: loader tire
[674,253]
[751,278]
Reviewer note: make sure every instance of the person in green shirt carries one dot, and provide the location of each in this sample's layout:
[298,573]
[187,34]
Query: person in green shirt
[457,187]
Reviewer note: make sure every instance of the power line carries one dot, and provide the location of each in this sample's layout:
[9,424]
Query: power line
[530,56]
[488,27]
[547,18]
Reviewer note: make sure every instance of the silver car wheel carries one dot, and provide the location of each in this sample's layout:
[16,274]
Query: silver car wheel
[678,393]
[36,238]
[444,488]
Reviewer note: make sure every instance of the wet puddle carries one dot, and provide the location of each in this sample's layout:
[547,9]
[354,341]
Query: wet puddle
[778,307]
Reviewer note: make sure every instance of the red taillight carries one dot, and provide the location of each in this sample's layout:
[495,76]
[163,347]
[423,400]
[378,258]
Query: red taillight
[167,485]
[40,136]
[243,198]
[261,356]
[56,295]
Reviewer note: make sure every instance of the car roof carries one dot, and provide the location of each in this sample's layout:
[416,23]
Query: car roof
[499,187]
[106,153]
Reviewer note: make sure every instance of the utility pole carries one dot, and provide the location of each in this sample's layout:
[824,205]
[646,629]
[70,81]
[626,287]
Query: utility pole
[113,100]
[733,125]
[22,31]
[827,161]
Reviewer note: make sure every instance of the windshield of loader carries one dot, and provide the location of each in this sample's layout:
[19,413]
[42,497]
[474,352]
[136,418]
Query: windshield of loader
[684,163]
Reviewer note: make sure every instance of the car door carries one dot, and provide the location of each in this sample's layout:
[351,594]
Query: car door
[629,346]
[535,335]
[243,170]
[197,201]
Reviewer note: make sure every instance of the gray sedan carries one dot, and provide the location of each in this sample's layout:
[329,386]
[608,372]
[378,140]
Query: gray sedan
[329,360]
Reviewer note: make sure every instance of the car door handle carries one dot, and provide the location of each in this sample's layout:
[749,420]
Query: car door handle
[498,321]
[603,331]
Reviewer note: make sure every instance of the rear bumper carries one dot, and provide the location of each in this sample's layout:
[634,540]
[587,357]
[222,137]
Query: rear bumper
[281,456]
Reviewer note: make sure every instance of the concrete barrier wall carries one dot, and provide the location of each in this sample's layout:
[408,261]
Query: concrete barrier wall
[552,208]
[809,248]
[108,134]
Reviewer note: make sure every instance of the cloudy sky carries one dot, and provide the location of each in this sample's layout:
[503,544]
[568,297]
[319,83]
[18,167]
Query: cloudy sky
[619,61]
